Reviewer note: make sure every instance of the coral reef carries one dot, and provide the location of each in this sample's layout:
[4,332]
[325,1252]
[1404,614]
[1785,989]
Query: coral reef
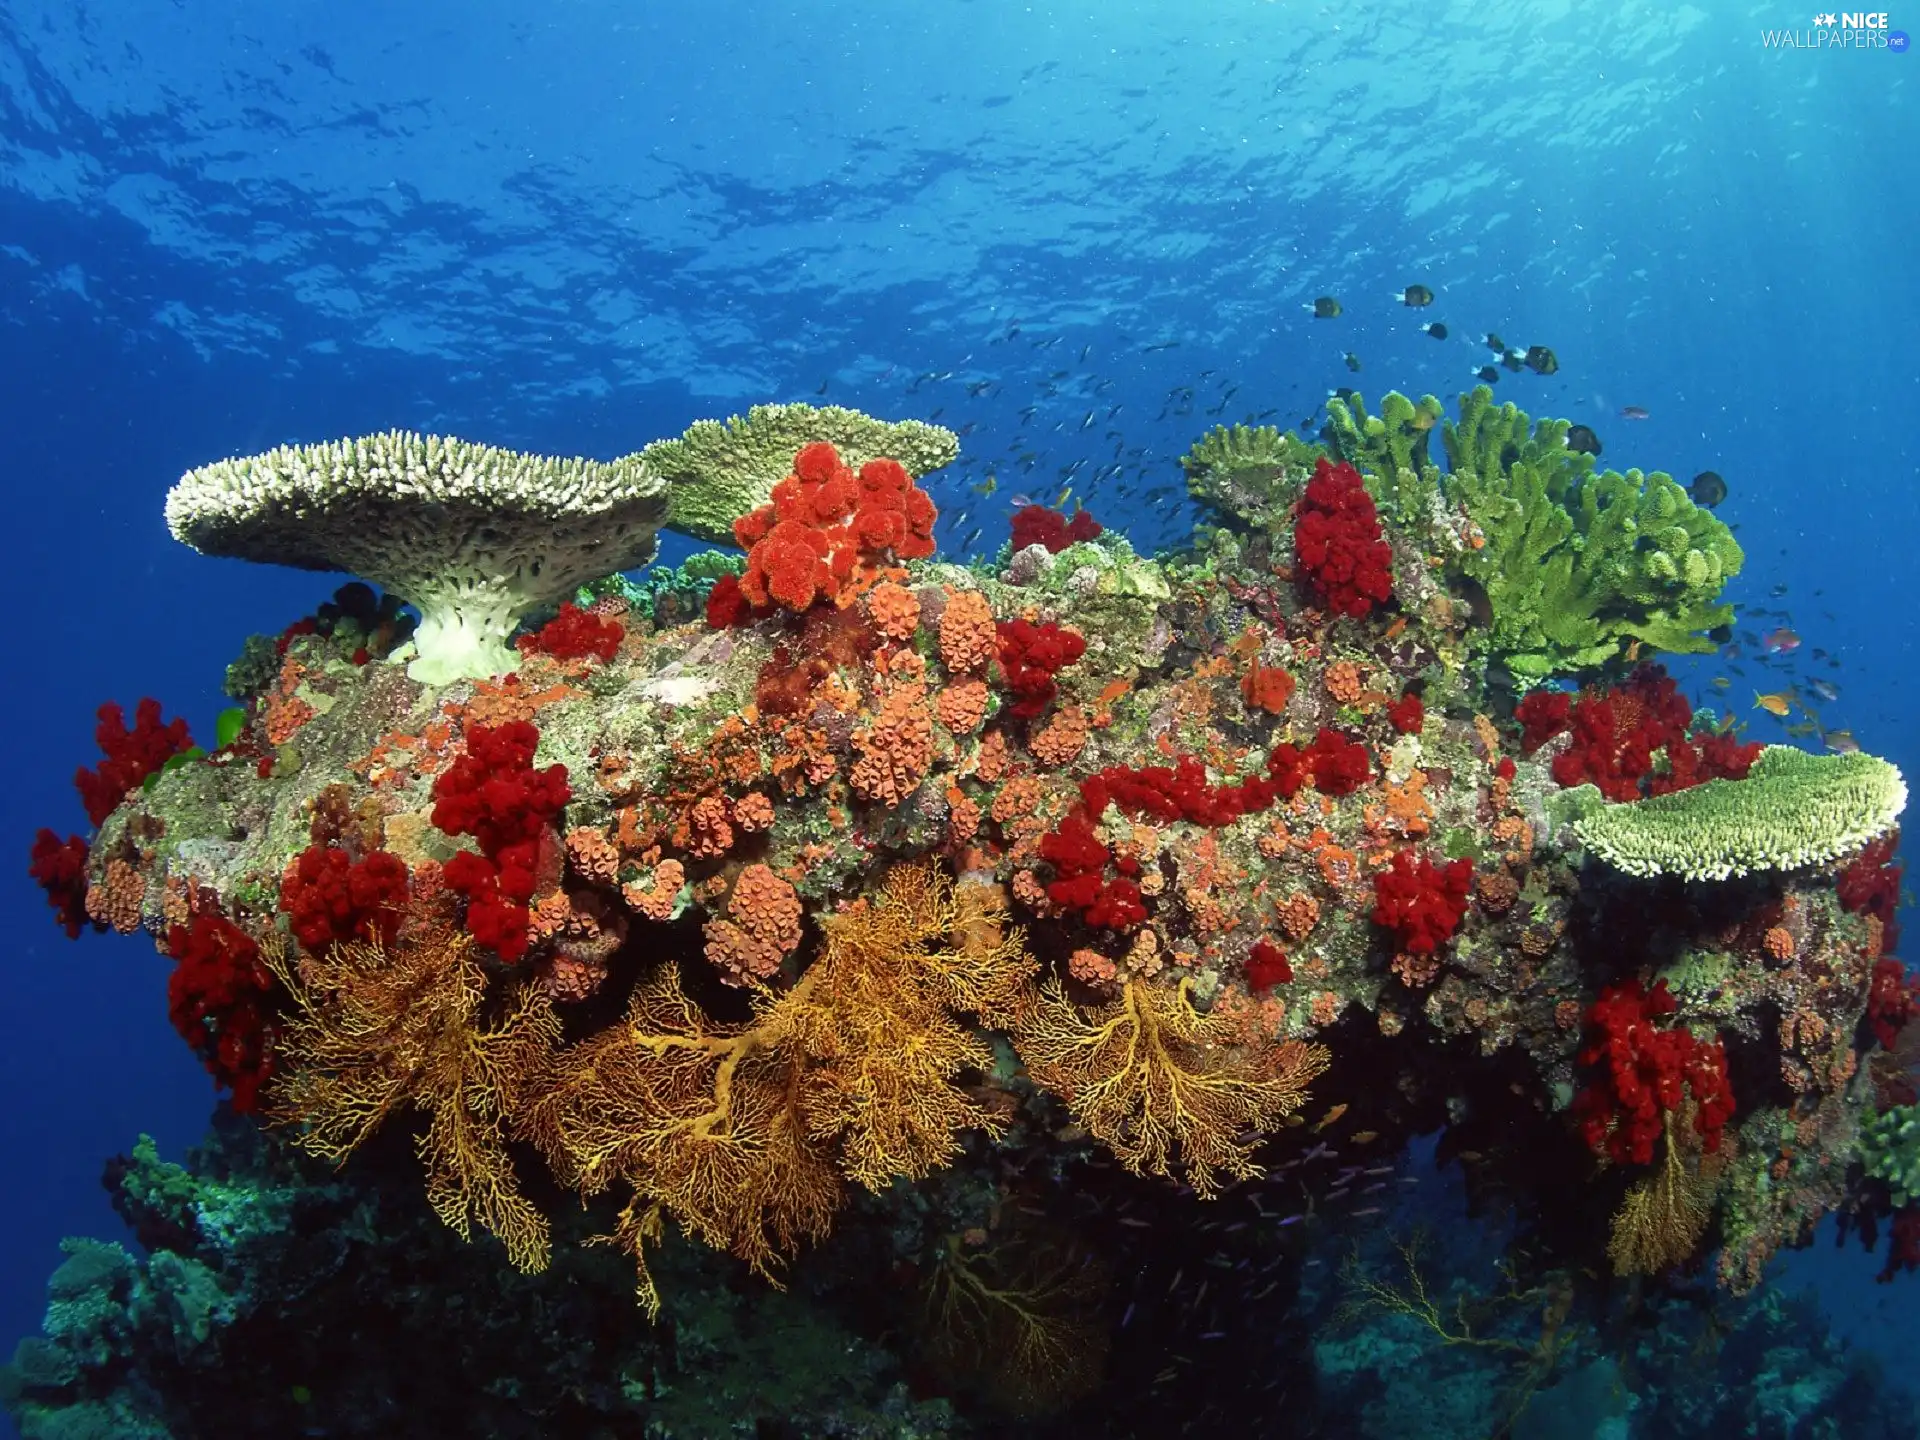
[851,901]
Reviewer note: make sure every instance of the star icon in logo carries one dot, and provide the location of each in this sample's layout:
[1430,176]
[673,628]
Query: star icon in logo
[1829,19]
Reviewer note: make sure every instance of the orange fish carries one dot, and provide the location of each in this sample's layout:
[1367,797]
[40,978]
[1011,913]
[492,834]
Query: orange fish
[1330,1117]
[1779,703]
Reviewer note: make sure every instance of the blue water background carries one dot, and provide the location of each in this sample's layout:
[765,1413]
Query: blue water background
[577,227]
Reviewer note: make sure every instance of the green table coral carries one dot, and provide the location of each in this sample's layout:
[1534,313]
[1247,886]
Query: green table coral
[718,471]
[1890,1149]
[1793,809]
[1251,473]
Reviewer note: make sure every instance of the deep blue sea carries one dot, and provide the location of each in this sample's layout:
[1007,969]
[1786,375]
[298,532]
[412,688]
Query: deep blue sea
[1076,233]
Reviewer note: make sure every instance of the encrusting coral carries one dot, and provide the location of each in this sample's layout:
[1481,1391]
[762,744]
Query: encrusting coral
[839,865]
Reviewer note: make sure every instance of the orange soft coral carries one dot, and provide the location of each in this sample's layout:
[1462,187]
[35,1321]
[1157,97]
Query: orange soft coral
[753,812]
[1061,739]
[894,610]
[593,855]
[967,636]
[116,900]
[762,927]
[896,749]
[1343,682]
[708,831]
[962,706]
[658,899]
[1298,914]
[1266,687]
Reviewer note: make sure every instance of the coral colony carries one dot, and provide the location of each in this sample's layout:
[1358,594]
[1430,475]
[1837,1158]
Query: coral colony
[726,895]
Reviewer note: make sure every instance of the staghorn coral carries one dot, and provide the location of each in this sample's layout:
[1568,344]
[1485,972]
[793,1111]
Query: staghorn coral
[1147,1075]
[1577,566]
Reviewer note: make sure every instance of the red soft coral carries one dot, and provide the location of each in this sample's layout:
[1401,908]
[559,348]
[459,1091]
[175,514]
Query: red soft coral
[1267,967]
[575,634]
[218,1000]
[824,526]
[331,897]
[1622,735]
[130,755]
[1079,861]
[1030,656]
[1870,885]
[1177,793]
[494,794]
[727,604]
[1407,714]
[1891,1000]
[1542,714]
[1421,903]
[1648,1070]
[1037,525]
[59,867]
[1338,544]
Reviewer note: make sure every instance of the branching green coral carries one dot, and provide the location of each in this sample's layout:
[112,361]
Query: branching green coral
[1793,809]
[1576,565]
[1890,1149]
[1389,450]
[1251,472]
[720,470]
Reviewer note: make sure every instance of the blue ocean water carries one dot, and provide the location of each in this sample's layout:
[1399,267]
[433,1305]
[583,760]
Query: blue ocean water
[1078,234]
